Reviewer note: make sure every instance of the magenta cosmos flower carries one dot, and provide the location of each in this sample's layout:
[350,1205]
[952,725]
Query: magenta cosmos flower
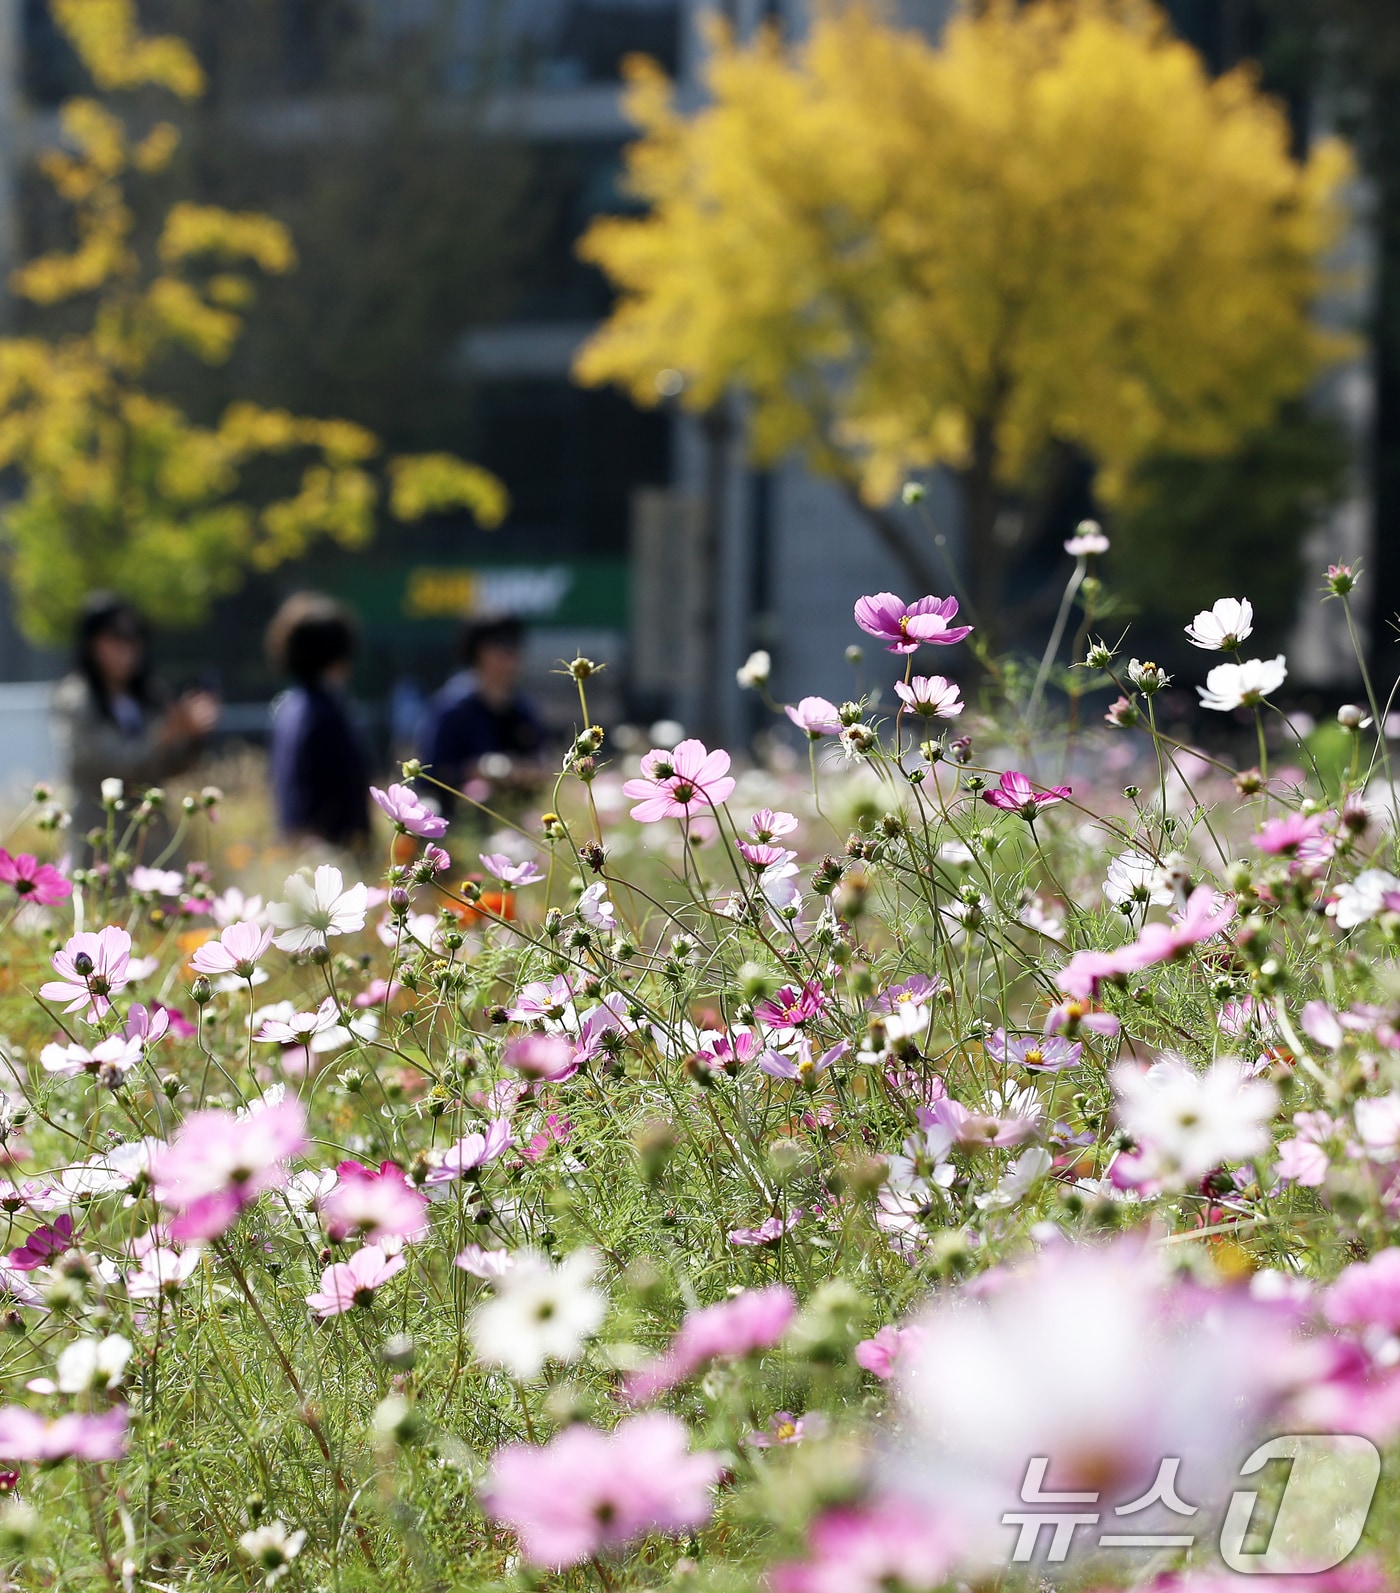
[44,1245]
[237,951]
[91,968]
[587,1491]
[815,717]
[752,1321]
[790,1007]
[408,813]
[1015,794]
[930,696]
[36,882]
[217,1163]
[904,625]
[351,1283]
[679,784]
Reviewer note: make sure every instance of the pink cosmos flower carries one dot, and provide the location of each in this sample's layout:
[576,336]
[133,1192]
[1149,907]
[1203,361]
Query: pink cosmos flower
[916,991]
[541,1058]
[1367,1294]
[510,873]
[1052,1054]
[790,1008]
[162,1271]
[766,825]
[760,857]
[1015,794]
[150,1024]
[768,1232]
[299,1027]
[378,1204]
[752,1321]
[784,1428]
[25,1435]
[904,625]
[948,1123]
[1082,975]
[377,992]
[34,881]
[472,1151]
[889,1543]
[816,717]
[880,1354]
[1203,918]
[91,968]
[346,1284]
[408,813]
[1298,835]
[237,951]
[1072,1017]
[556,1131]
[802,1069]
[679,784]
[930,696]
[540,1002]
[44,1245]
[586,1491]
[218,1163]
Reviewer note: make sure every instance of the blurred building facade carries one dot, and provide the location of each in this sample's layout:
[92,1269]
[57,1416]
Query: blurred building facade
[644,539]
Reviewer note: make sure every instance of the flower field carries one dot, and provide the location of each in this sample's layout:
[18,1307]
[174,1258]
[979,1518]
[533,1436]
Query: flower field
[970,1158]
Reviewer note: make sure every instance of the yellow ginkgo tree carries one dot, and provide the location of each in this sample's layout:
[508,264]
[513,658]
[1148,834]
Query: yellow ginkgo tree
[1050,232]
[118,487]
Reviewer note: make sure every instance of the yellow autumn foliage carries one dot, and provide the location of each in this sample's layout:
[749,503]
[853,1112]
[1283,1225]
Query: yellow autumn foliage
[1050,227]
[122,489]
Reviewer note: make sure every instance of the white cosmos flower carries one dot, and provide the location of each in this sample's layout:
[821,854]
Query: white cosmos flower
[1136,881]
[93,1363]
[1242,685]
[1222,627]
[317,908]
[1370,894]
[539,1313]
[272,1548]
[755,670]
[1187,1123]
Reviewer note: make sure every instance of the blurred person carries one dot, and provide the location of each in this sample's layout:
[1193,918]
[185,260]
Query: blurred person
[113,721]
[319,763]
[480,726]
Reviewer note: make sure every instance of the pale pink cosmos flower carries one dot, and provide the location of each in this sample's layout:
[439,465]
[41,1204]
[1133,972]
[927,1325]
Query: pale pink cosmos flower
[1073,1017]
[33,881]
[752,1321]
[1016,794]
[112,1058]
[162,1271]
[347,1284]
[151,1024]
[538,1002]
[472,1151]
[1088,539]
[904,625]
[510,872]
[679,784]
[376,1203]
[815,717]
[541,1058]
[237,951]
[766,825]
[784,1428]
[1050,1054]
[1303,1159]
[25,1435]
[587,1492]
[297,1028]
[408,813]
[485,1264]
[91,968]
[318,908]
[892,1542]
[217,1163]
[802,1068]
[377,992]
[930,696]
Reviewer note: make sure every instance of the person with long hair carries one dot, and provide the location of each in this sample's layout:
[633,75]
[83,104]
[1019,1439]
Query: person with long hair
[320,768]
[113,720]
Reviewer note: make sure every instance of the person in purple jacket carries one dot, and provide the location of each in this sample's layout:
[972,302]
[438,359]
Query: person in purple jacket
[320,766]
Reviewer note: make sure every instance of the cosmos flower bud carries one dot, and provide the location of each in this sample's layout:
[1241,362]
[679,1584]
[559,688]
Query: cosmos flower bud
[581,668]
[913,492]
[1351,717]
[201,992]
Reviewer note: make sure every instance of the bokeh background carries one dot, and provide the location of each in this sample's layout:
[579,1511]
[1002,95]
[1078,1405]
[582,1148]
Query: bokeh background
[437,163]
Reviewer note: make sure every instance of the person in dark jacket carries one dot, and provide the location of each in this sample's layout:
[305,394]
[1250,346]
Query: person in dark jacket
[320,768]
[113,721]
[480,728]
